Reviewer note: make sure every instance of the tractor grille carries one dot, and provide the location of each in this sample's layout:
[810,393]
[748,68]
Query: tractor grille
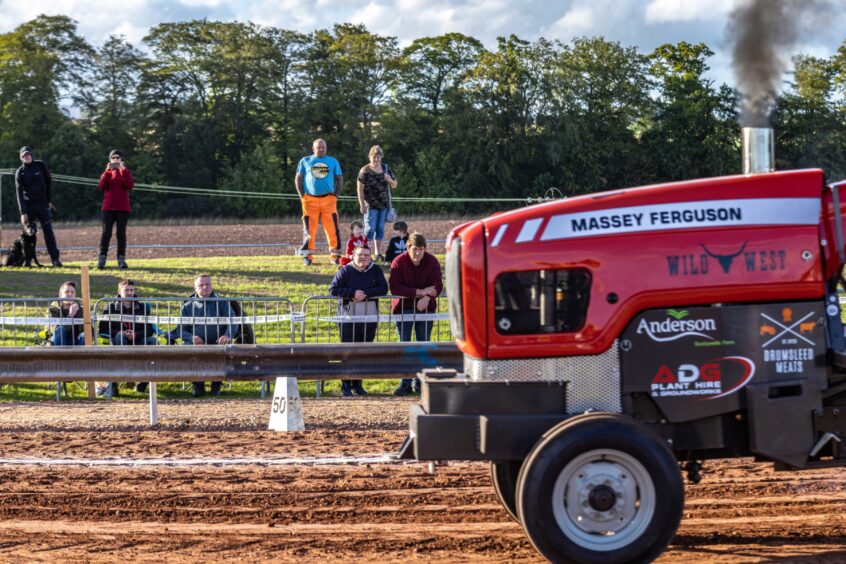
[593,381]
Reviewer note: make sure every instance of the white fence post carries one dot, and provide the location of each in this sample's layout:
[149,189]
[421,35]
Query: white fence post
[154,405]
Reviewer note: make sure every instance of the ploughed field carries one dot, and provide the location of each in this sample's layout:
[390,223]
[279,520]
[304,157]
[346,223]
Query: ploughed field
[258,495]
[167,239]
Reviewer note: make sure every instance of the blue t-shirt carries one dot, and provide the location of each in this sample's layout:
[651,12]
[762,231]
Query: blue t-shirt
[319,174]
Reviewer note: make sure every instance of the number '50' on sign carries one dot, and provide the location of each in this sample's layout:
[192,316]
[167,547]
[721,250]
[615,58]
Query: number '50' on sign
[279,405]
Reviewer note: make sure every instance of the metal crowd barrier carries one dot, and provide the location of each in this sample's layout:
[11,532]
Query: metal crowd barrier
[324,317]
[255,321]
[250,320]
[329,320]
[30,321]
[25,320]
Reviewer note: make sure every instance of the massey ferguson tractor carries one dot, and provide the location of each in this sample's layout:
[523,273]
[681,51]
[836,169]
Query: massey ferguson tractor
[613,341]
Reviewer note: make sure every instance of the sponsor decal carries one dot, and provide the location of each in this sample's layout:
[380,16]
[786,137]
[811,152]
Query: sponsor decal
[711,262]
[711,380]
[788,342]
[682,215]
[675,327]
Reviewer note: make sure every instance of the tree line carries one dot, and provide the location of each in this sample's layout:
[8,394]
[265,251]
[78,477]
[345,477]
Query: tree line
[234,106]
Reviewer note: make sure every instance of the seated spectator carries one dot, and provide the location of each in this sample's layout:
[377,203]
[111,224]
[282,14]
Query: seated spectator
[416,276]
[66,308]
[127,330]
[357,284]
[205,303]
[397,244]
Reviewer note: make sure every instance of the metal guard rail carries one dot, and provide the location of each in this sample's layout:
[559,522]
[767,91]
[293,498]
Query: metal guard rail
[305,361]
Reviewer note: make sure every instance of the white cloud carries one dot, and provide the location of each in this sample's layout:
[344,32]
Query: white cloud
[577,21]
[664,11]
[644,24]
[201,3]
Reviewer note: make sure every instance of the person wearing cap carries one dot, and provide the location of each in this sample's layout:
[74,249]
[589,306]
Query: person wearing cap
[115,183]
[34,185]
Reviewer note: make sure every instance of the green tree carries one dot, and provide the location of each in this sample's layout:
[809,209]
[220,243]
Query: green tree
[693,133]
[110,103]
[600,96]
[808,120]
[43,62]
[432,66]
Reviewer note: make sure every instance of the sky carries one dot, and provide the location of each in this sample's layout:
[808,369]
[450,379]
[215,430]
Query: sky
[643,24]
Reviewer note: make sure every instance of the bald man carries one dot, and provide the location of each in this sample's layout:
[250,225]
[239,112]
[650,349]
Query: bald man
[319,181]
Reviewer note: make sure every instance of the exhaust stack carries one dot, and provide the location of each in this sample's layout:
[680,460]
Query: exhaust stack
[758,150]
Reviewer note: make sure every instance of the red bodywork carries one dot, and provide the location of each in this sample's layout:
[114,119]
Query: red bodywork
[655,260]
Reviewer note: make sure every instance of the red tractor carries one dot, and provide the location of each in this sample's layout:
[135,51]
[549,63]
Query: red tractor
[612,340]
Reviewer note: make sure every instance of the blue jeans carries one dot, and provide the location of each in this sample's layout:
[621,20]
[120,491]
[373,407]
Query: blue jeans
[120,339]
[374,225]
[63,337]
[421,329]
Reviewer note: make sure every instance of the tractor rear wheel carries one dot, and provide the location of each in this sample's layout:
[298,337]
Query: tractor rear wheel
[504,478]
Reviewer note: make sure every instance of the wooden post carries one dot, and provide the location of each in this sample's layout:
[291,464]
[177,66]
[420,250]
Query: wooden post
[86,318]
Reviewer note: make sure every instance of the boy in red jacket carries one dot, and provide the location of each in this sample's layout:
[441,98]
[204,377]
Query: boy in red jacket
[115,184]
[357,239]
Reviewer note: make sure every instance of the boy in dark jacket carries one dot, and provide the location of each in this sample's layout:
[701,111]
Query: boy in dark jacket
[357,284]
[127,331]
[122,326]
[397,244]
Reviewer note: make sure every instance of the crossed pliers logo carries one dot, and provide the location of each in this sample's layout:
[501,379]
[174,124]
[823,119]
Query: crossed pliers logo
[787,329]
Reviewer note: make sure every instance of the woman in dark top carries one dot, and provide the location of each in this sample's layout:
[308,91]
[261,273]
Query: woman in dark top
[375,180]
[357,284]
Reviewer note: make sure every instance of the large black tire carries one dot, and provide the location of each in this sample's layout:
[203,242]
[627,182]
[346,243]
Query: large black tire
[504,477]
[600,488]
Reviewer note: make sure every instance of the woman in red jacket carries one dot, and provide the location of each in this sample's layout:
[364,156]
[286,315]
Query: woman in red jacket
[115,184]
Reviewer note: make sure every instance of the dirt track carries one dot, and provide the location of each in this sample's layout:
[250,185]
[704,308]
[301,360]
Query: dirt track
[741,512]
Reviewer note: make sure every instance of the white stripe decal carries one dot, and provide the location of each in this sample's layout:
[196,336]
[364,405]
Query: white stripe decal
[682,215]
[499,234]
[529,230]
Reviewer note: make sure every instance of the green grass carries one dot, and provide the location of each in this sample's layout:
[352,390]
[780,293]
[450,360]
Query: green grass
[263,276]
[28,392]
[232,276]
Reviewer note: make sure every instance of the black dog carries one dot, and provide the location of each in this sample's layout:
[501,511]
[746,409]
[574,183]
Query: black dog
[22,250]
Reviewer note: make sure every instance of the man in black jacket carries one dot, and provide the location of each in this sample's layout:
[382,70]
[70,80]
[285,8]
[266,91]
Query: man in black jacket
[33,185]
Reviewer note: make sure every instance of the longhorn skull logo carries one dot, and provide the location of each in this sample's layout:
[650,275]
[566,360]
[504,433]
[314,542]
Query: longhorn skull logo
[724,260]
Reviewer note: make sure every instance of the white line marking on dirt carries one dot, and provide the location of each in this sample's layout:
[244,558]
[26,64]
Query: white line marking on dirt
[312,461]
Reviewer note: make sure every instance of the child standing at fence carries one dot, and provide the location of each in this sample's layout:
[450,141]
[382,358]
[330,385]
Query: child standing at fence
[357,239]
[397,244]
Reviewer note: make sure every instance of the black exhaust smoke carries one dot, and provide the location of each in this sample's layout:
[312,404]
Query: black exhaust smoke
[763,34]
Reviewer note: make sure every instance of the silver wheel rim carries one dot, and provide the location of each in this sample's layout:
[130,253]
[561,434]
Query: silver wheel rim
[616,478]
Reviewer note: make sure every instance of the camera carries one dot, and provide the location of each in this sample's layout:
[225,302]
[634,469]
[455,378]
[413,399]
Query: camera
[114,165]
